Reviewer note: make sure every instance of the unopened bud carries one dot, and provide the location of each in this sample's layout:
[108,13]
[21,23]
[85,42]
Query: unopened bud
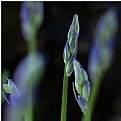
[69,66]
[66,53]
[12,90]
[73,34]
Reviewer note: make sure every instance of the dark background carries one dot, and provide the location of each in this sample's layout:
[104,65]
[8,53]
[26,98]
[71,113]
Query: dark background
[51,40]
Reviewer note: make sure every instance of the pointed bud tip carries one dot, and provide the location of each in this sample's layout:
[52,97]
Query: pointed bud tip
[75,17]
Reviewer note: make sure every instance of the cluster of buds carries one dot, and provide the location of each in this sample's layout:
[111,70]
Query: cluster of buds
[103,46]
[82,84]
[70,50]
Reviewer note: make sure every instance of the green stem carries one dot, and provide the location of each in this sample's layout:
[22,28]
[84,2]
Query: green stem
[29,107]
[94,93]
[29,113]
[64,97]
[32,47]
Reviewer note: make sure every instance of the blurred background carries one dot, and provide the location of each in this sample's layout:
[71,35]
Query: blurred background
[52,37]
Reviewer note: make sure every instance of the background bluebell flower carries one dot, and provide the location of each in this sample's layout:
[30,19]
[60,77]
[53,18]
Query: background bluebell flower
[28,71]
[31,15]
[11,89]
[101,54]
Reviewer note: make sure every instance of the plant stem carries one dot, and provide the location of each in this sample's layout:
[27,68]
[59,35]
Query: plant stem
[64,97]
[29,113]
[29,107]
[32,46]
[94,93]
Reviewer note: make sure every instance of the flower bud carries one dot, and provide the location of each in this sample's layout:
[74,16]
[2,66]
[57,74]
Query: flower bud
[102,50]
[107,26]
[69,66]
[31,18]
[82,86]
[78,71]
[10,87]
[94,62]
[12,90]
[73,34]
[82,83]
[66,53]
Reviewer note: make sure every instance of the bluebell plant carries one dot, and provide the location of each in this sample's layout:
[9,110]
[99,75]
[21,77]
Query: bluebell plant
[31,16]
[101,54]
[99,61]
[19,92]
[30,69]
[82,84]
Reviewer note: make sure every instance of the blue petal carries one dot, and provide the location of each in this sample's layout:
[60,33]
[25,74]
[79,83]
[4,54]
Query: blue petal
[14,99]
[94,60]
[8,100]
[81,102]
[15,91]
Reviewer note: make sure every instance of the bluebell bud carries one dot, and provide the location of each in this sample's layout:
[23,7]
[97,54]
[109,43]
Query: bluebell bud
[107,26]
[66,53]
[82,86]
[94,62]
[71,46]
[82,83]
[102,50]
[73,34]
[69,65]
[31,15]
[12,90]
